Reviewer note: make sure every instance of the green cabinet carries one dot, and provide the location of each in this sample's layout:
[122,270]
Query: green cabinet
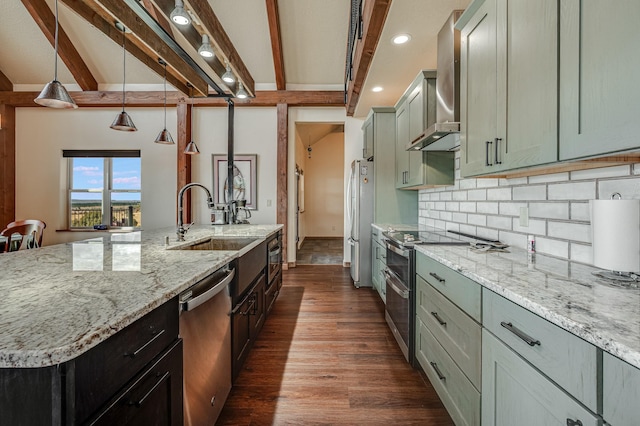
[515,393]
[367,141]
[599,93]
[620,391]
[415,111]
[378,263]
[509,85]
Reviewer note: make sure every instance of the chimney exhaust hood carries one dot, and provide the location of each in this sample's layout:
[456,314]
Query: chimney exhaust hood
[444,135]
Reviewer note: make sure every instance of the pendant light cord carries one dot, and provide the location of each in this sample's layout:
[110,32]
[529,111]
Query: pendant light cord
[165,96]
[191,96]
[124,65]
[55,47]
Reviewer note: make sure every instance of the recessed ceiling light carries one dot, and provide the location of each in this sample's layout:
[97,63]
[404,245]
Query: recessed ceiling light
[377,89]
[401,38]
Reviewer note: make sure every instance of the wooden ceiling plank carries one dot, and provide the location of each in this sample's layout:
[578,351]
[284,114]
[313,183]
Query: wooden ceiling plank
[159,17]
[148,58]
[210,22]
[374,16]
[5,83]
[42,15]
[276,43]
[267,98]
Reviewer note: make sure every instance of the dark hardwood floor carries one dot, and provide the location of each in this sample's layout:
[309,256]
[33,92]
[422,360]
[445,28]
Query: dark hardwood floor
[321,251]
[326,357]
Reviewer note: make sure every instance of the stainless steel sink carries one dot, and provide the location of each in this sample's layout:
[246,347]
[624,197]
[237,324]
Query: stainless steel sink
[221,243]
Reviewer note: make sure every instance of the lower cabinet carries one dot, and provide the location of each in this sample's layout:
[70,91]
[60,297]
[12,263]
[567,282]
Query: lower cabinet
[515,393]
[247,320]
[378,263]
[620,392]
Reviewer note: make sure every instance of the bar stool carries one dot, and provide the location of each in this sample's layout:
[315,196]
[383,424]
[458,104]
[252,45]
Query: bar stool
[23,234]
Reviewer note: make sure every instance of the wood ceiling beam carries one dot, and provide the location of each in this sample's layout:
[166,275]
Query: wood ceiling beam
[46,20]
[374,16]
[268,98]
[146,56]
[5,83]
[276,43]
[155,14]
[221,40]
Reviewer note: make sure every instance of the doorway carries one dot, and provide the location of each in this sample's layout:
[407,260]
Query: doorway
[319,193]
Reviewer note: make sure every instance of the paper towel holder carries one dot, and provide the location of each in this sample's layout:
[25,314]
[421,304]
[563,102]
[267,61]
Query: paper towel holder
[613,225]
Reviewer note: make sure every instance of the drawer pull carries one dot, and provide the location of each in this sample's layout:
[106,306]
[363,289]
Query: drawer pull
[528,340]
[574,422]
[437,317]
[135,354]
[436,276]
[146,395]
[437,370]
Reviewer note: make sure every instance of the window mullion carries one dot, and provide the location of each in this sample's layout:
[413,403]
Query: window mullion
[106,192]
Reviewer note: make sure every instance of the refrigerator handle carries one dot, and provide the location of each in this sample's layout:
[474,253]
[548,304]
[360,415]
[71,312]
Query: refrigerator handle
[349,189]
[351,241]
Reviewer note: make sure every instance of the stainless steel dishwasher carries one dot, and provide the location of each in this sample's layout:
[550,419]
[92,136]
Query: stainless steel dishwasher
[205,327]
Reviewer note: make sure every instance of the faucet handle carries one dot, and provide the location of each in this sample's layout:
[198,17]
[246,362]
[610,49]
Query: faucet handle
[186,228]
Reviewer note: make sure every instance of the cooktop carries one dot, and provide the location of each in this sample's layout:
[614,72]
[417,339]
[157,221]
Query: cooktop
[434,236]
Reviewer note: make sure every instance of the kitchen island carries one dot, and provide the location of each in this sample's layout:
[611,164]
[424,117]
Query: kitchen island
[80,320]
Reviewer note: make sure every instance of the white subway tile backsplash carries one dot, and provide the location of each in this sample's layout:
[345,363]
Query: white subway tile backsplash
[477,194]
[580,211]
[514,181]
[536,227]
[467,183]
[452,226]
[440,224]
[636,169]
[549,210]
[499,222]
[491,234]
[569,231]
[581,253]
[628,188]
[487,182]
[468,207]
[468,229]
[453,206]
[552,247]
[555,177]
[511,209]
[573,191]
[530,192]
[477,219]
[605,172]
[487,207]
[445,195]
[448,216]
[440,205]
[459,217]
[499,194]
[459,195]
[515,240]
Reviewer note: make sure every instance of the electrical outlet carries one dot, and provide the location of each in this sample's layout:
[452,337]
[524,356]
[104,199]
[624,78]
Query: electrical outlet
[524,216]
[268,203]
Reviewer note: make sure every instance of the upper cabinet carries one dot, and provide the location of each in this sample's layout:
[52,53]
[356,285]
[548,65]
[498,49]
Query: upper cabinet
[367,141]
[415,111]
[509,84]
[599,93]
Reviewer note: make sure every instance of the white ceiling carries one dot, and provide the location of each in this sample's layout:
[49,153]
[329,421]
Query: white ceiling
[314,38]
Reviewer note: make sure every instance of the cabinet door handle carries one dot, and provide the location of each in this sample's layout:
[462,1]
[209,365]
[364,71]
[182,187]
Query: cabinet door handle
[141,348]
[437,370]
[146,395]
[437,317]
[521,334]
[571,422]
[251,310]
[437,277]
[487,163]
[497,157]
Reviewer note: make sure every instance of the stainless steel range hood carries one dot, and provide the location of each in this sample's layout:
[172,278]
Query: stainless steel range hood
[444,135]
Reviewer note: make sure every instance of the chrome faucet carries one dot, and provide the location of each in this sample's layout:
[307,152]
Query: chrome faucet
[181,229]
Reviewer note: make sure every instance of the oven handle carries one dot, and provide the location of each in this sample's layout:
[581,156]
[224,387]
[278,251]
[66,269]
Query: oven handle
[403,253]
[191,304]
[390,278]
[275,252]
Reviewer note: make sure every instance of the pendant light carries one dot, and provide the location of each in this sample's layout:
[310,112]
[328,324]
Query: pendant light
[123,121]
[242,94]
[54,95]
[192,148]
[205,50]
[164,137]
[228,76]
[179,15]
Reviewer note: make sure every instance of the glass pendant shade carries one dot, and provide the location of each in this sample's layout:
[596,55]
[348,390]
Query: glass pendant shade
[228,76]
[192,149]
[123,122]
[242,94]
[179,15]
[164,137]
[205,50]
[54,95]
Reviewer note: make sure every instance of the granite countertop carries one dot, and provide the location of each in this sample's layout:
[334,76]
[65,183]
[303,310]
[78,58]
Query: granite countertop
[562,292]
[398,227]
[59,301]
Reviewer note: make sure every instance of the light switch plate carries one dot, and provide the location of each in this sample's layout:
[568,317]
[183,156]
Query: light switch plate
[524,216]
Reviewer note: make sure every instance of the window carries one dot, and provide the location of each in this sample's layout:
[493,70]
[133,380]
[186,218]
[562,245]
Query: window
[104,188]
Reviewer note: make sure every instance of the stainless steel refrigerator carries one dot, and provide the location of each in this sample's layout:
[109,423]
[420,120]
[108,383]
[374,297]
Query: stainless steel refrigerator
[360,217]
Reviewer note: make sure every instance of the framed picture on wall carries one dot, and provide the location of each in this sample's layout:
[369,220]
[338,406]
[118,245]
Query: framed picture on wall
[244,181]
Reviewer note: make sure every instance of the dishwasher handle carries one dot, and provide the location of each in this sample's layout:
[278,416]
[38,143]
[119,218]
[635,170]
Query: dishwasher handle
[191,304]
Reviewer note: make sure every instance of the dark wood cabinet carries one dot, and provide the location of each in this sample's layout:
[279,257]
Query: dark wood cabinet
[248,319]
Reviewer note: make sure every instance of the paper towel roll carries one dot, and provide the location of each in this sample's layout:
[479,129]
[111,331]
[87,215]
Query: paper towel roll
[615,234]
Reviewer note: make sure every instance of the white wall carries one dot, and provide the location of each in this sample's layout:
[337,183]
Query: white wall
[301,161]
[324,194]
[352,151]
[256,132]
[41,172]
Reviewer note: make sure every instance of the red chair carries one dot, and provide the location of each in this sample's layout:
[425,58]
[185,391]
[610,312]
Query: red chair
[23,234]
